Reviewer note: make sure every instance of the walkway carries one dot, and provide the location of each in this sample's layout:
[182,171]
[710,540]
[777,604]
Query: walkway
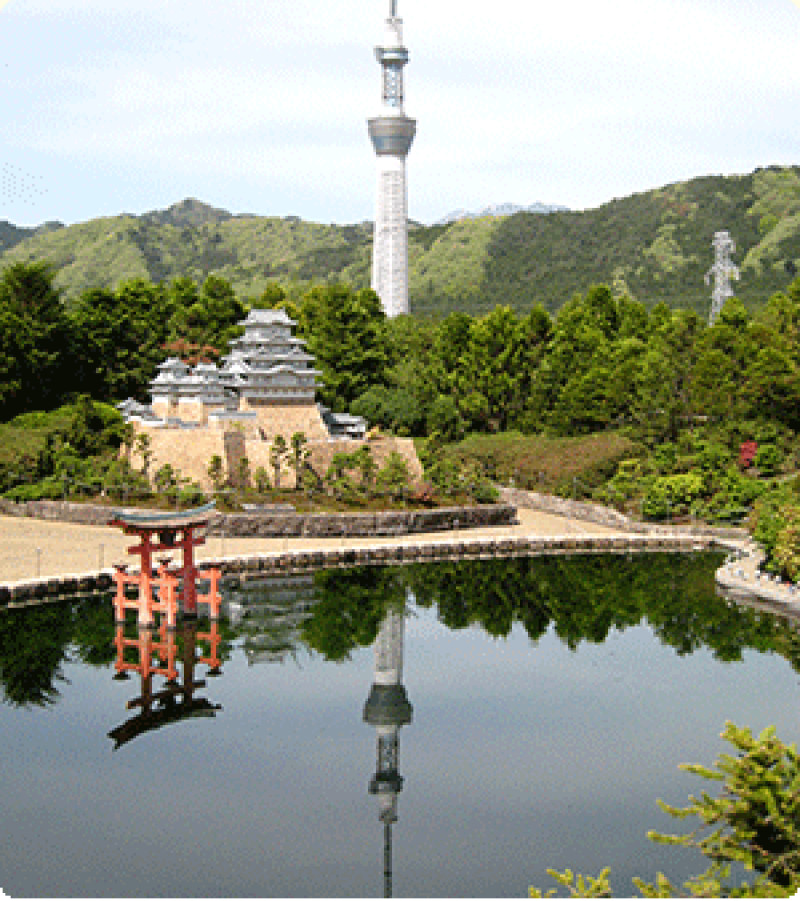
[37,548]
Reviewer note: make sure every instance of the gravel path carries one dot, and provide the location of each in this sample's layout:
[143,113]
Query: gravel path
[33,548]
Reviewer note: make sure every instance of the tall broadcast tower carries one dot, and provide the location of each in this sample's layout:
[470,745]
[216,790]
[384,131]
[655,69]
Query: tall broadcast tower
[392,133]
[722,270]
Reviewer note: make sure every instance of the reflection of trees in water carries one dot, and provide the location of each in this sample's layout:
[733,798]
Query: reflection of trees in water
[36,642]
[33,645]
[583,597]
[350,608]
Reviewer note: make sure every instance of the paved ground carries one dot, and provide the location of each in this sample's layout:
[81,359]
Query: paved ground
[32,548]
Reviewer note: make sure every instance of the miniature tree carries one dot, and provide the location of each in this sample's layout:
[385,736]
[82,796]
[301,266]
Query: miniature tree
[338,478]
[394,476]
[277,453]
[143,447]
[261,480]
[243,474]
[216,472]
[300,455]
[367,467]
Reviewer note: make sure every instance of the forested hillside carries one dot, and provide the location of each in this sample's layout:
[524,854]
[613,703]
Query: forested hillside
[653,246]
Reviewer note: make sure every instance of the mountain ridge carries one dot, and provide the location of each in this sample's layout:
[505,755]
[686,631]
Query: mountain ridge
[502,209]
[653,245]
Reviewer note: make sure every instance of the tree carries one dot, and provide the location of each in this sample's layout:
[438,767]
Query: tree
[243,474]
[662,399]
[207,318]
[261,480]
[755,821]
[299,455]
[216,472]
[277,454]
[120,338]
[35,341]
[495,366]
[393,476]
[338,478]
[143,447]
[366,466]
[346,333]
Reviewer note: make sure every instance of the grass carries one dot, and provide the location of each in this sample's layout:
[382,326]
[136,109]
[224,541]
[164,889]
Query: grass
[536,462]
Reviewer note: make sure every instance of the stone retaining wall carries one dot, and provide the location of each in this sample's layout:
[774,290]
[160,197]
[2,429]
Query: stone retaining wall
[361,525]
[267,524]
[61,511]
[608,516]
[190,451]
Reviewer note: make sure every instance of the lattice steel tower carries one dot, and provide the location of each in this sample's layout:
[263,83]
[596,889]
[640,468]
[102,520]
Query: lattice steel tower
[722,270]
[392,133]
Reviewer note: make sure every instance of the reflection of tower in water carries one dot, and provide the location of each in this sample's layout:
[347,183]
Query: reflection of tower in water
[387,709]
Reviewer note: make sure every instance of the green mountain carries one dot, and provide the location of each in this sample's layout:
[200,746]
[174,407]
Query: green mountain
[655,246]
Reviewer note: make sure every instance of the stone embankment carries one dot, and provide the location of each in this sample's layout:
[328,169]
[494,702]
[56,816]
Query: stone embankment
[377,554]
[266,523]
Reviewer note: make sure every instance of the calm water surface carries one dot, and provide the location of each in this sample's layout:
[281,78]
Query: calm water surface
[552,701]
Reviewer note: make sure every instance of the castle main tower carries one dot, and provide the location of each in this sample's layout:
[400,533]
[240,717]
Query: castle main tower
[392,133]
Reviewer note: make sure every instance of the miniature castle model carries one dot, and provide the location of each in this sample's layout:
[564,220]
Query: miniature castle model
[264,387]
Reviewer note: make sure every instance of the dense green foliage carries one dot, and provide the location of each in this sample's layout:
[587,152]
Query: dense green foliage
[754,821]
[655,411]
[70,450]
[776,527]
[108,343]
[654,246]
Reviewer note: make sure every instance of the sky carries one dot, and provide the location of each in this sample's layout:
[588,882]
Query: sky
[260,106]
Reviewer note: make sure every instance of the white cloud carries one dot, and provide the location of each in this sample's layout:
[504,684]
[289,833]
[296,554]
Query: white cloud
[568,102]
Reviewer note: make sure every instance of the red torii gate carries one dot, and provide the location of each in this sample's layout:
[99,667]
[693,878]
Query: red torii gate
[160,532]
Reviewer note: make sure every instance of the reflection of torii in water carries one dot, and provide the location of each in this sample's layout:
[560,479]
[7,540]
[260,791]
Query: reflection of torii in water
[175,701]
[387,709]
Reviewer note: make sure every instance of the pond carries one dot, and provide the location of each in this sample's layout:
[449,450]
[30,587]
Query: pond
[517,715]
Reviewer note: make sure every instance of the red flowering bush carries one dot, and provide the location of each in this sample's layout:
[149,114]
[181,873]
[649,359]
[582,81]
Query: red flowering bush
[747,453]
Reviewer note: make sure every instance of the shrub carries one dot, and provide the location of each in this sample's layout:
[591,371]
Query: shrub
[768,459]
[672,494]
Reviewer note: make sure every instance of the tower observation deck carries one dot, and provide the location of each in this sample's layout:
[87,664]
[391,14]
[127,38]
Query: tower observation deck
[391,133]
